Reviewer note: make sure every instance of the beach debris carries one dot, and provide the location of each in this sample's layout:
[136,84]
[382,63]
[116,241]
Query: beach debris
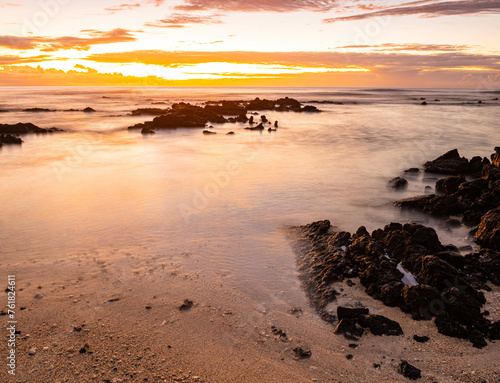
[187,305]
[278,333]
[409,371]
[296,311]
[300,353]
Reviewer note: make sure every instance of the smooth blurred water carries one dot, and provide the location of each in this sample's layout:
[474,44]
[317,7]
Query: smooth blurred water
[227,199]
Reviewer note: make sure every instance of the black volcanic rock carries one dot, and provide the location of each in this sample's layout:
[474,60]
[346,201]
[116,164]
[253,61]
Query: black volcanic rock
[409,371]
[288,103]
[8,139]
[182,115]
[259,104]
[449,163]
[488,233]
[38,110]
[150,112]
[88,110]
[495,158]
[230,108]
[447,284]
[450,185]
[380,325]
[398,183]
[25,128]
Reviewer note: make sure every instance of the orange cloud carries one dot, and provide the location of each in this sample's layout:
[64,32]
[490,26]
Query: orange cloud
[435,9]
[450,58]
[179,20]
[50,44]
[258,5]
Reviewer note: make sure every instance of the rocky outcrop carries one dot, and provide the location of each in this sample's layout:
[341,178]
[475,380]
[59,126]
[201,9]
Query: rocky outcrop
[451,163]
[25,128]
[398,183]
[405,266]
[488,232]
[182,115]
[469,199]
[8,139]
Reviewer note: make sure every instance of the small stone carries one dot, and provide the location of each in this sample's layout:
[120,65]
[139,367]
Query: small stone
[349,357]
[38,296]
[32,351]
[45,349]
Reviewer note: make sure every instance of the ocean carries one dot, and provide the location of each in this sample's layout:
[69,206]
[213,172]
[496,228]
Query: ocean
[220,205]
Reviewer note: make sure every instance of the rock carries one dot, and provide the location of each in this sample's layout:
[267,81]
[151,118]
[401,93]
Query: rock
[409,371]
[449,163]
[424,103]
[418,300]
[38,110]
[182,115]
[488,233]
[289,103]
[276,124]
[209,132]
[349,356]
[25,128]
[229,108]
[398,183]
[187,305]
[259,104]
[251,121]
[413,170]
[310,109]
[450,185]
[230,134]
[380,325]
[147,131]
[421,339]
[88,110]
[300,353]
[495,158]
[8,139]
[32,351]
[38,296]
[351,313]
[258,127]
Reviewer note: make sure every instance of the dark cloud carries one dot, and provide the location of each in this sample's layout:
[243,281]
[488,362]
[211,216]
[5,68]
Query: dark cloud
[49,44]
[435,9]
[179,20]
[258,5]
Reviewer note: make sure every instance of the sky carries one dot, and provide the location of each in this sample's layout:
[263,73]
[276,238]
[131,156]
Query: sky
[372,43]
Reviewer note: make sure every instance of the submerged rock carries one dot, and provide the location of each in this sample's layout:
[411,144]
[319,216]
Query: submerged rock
[25,128]
[8,139]
[398,183]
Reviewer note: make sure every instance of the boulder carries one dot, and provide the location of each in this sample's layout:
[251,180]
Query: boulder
[8,139]
[25,128]
[450,185]
[88,110]
[398,183]
[351,313]
[488,233]
[495,157]
[449,163]
[380,325]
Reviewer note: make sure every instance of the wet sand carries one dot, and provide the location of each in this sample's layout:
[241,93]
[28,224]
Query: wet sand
[116,318]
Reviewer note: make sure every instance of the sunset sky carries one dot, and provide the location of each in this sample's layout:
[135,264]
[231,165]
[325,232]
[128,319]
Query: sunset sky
[251,43]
